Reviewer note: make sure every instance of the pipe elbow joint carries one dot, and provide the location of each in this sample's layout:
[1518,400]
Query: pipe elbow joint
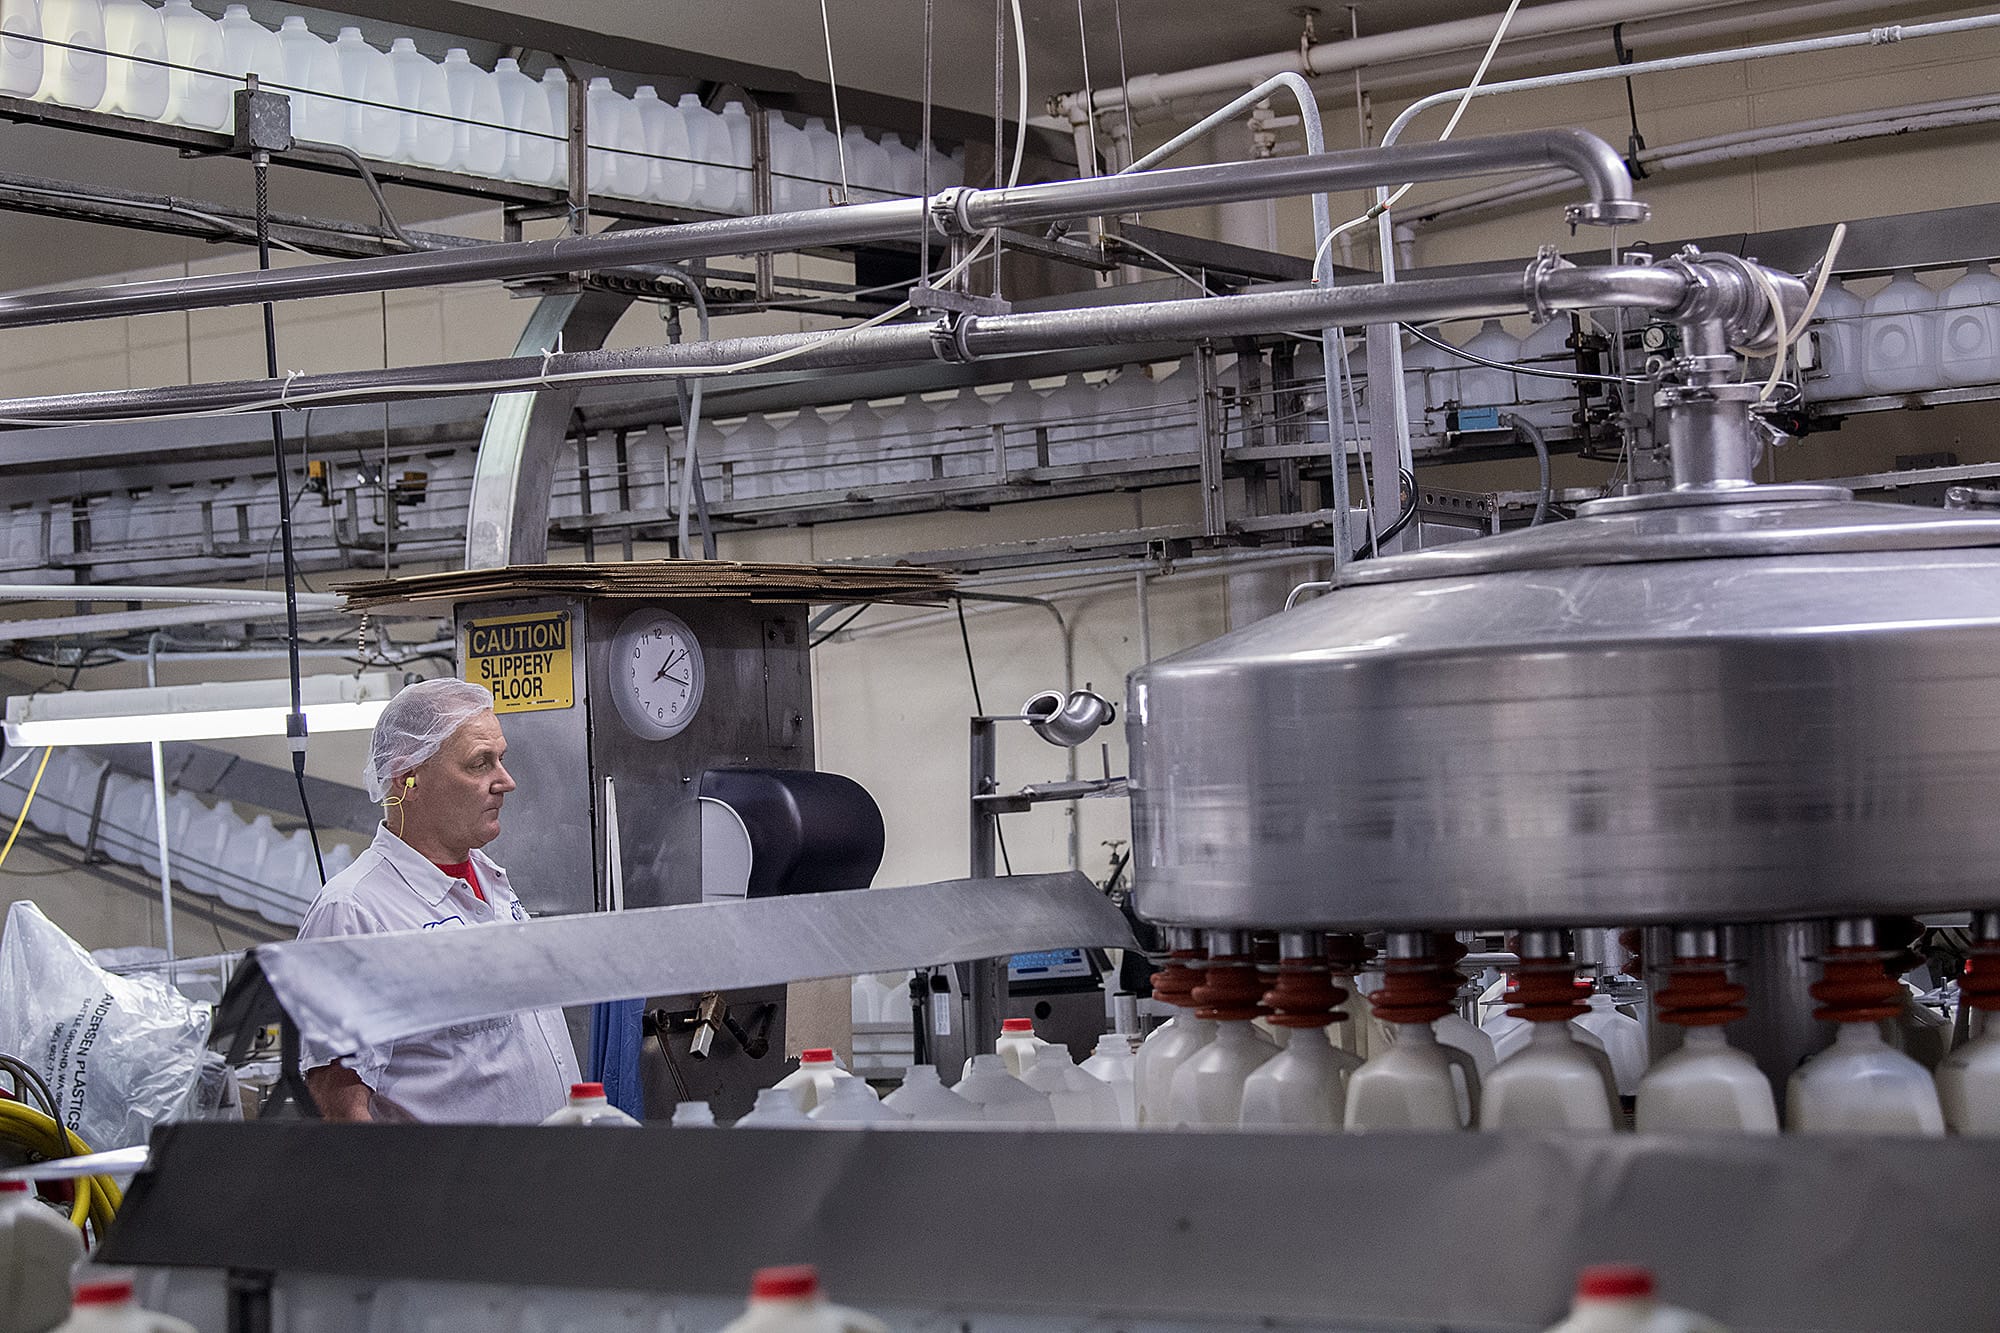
[1598,164]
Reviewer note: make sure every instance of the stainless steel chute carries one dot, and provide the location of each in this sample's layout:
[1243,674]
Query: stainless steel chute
[1741,708]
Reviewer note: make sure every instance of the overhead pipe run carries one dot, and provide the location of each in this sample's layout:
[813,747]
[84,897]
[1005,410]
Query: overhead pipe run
[1317,60]
[1547,287]
[963,212]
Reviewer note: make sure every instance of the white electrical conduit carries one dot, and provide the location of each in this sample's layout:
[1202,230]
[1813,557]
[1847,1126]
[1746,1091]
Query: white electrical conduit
[1853,127]
[1324,58]
[1392,354]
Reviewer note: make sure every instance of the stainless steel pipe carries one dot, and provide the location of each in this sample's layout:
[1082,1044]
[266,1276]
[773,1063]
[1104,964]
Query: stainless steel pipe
[1592,160]
[1585,156]
[1539,287]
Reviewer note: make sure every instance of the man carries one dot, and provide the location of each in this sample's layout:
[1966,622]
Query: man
[436,762]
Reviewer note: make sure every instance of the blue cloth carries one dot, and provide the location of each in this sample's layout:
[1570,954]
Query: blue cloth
[617,1035]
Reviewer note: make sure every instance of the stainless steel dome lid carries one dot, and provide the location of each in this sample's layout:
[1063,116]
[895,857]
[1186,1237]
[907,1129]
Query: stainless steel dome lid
[1747,521]
[1755,710]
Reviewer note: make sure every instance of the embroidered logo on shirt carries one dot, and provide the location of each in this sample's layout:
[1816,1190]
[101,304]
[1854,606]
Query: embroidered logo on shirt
[519,915]
[431,925]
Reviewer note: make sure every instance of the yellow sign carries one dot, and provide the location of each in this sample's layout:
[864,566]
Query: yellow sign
[524,660]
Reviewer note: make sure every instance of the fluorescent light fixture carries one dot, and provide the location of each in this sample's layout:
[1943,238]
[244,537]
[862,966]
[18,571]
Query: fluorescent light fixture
[196,712]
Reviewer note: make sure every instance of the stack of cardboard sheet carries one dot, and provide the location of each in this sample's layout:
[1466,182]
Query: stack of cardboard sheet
[660,579]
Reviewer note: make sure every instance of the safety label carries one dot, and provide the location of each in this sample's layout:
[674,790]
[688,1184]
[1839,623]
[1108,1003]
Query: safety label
[524,660]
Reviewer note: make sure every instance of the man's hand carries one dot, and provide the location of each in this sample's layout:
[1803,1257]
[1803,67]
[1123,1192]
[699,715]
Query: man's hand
[339,1092]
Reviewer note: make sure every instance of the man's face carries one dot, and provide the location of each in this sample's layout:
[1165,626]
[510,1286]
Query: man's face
[460,789]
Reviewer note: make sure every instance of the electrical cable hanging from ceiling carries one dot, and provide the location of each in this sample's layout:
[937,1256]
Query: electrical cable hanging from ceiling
[295,722]
[1384,204]
[691,491]
[833,87]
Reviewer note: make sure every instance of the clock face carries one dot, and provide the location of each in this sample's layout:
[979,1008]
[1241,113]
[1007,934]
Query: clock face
[656,674]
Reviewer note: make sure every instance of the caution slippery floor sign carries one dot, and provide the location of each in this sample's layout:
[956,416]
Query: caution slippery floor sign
[524,660]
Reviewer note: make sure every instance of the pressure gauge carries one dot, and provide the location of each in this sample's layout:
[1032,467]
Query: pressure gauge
[656,674]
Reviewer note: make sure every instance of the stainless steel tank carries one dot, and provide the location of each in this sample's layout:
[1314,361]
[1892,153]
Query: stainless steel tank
[1762,709]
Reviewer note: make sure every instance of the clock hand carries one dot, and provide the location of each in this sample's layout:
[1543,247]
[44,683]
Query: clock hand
[676,680]
[664,666]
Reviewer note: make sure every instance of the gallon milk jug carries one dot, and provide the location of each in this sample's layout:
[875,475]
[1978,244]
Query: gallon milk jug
[669,168]
[1208,1087]
[1621,1037]
[1551,1083]
[694,1115]
[248,47]
[738,172]
[1547,402]
[1113,1062]
[555,92]
[524,110]
[1618,1298]
[1430,383]
[791,164]
[587,1106]
[1899,337]
[708,142]
[776,1108]
[1303,1086]
[309,64]
[478,134]
[1408,1084]
[426,133]
[1078,1098]
[73,74]
[37,1250]
[1969,327]
[818,1071]
[1002,1098]
[1706,1085]
[21,60]
[371,126]
[1017,1044]
[1483,386]
[1968,1084]
[788,1300]
[194,43]
[104,1305]
[925,1099]
[136,87]
[1837,333]
[1161,1057]
[613,125]
[850,1101]
[1861,1085]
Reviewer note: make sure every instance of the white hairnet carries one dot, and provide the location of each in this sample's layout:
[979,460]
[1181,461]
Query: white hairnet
[415,724]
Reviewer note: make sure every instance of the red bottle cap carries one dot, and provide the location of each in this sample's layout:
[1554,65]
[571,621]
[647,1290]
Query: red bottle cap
[104,1291]
[816,1055]
[789,1283]
[1610,1282]
[1017,1025]
[586,1089]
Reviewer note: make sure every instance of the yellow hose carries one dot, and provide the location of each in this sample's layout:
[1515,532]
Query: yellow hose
[22,818]
[97,1197]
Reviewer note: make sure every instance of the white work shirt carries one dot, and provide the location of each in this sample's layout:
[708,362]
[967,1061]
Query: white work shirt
[513,1070]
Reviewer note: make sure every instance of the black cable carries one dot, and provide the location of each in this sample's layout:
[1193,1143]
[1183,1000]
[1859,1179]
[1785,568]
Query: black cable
[1636,144]
[850,618]
[367,178]
[295,724]
[1373,543]
[979,706]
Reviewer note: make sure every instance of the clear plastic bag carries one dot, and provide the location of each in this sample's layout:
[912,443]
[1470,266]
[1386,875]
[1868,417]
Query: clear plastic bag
[120,1054]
